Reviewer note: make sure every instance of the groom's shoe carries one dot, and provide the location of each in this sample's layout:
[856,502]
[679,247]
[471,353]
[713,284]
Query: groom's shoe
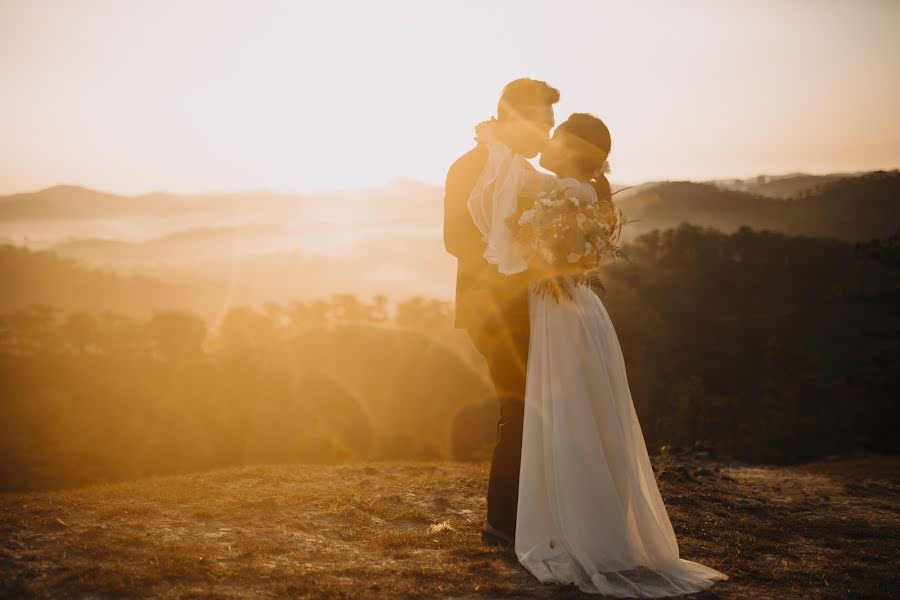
[492,536]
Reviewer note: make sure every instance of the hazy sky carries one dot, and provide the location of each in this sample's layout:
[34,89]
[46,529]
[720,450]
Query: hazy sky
[202,95]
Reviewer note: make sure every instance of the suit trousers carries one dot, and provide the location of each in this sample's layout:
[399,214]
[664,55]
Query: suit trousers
[503,341]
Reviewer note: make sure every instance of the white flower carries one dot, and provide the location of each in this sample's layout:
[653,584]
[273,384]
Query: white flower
[527,216]
[575,201]
[547,201]
[548,255]
[587,247]
[573,257]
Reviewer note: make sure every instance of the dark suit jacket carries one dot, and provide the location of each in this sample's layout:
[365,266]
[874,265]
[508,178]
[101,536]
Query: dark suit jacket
[481,291]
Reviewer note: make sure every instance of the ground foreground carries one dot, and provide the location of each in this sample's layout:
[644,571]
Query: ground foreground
[411,530]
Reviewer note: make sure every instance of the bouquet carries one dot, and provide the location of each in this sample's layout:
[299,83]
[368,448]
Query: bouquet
[565,238]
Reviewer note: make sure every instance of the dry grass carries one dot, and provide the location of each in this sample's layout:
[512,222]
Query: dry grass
[411,530]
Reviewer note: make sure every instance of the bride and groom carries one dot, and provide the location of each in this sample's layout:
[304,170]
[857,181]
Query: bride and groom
[571,487]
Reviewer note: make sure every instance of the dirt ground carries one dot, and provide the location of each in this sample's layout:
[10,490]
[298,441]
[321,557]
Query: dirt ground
[412,530]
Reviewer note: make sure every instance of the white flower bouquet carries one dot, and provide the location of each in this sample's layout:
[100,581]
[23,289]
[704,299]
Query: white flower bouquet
[565,238]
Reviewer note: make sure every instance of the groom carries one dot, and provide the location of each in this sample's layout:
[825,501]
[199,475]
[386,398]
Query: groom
[491,307]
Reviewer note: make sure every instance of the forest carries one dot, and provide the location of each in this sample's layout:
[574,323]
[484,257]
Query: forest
[753,345]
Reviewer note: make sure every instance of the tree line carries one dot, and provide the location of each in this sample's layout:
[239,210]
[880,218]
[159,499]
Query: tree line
[754,345]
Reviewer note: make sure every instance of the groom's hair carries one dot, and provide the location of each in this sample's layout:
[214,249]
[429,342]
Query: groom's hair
[519,95]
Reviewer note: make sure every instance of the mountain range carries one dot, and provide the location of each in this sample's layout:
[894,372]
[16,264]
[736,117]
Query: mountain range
[256,246]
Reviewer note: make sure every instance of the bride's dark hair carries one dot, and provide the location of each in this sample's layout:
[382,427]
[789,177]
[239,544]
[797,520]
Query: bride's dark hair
[594,132]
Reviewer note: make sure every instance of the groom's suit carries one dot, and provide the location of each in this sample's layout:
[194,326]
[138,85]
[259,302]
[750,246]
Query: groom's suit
[493,309]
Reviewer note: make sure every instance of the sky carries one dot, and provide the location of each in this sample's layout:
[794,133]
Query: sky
[215,95]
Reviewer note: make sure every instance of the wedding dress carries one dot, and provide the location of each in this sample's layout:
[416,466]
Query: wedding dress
[589,510]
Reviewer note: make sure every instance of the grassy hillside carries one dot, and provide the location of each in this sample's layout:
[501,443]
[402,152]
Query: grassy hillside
[411,530]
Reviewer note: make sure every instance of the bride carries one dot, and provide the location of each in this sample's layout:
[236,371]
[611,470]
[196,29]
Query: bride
[589,510]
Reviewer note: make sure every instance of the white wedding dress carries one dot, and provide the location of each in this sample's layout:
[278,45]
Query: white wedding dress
[589,510]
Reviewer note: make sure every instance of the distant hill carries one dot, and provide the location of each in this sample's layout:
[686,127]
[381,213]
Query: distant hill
[193,243]
[666,205]
[74,202]
[258,246]
[61,201]
[44,277]
[780,186]
[854,209]
[249,247]
[401,197]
